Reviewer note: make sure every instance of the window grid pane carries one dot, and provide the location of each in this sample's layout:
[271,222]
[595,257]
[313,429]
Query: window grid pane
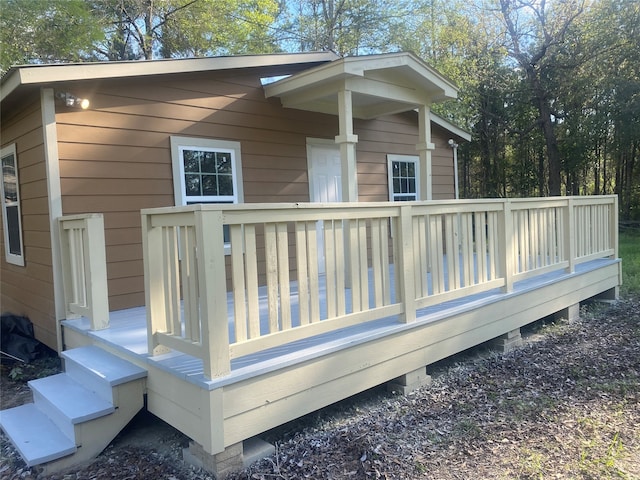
[208,174]
[11,209]
[404,181]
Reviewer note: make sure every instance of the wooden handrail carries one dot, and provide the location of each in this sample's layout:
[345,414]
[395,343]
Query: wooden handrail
[273,266]
[84,268]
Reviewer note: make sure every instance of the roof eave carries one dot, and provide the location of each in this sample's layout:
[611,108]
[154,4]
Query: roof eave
[55,73]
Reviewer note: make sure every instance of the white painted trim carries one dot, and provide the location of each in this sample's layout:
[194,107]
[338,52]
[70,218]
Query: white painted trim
[10,150]
[357,66]
[403,158]
[178,143]
[441,122]
[54,198]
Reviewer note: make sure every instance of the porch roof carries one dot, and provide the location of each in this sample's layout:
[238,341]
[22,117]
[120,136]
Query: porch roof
[380,85]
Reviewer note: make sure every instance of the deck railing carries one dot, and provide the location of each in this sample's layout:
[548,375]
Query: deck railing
[298,270]
[84,268]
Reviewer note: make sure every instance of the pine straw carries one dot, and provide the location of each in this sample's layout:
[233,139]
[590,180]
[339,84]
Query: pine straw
[566,405]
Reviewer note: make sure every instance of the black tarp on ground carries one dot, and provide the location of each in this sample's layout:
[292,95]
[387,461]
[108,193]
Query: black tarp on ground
[17,339]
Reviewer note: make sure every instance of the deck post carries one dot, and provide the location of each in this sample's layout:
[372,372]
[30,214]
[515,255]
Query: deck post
[569,233]
[505,242]
[153,284]
[405,271]
[97,290]
[85,268]
[212,293]
[613,227]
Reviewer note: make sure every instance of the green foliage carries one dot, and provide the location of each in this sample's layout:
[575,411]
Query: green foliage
[40,368]
[629,251]
[41,31]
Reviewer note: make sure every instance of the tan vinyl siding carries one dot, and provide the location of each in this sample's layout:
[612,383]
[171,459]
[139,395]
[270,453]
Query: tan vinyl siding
[28,290]
[115,158]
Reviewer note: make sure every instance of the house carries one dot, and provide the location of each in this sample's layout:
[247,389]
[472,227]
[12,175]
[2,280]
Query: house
[320,191]
[124,152]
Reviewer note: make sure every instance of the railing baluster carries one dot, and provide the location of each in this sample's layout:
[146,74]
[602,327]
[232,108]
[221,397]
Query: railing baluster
[251,275]
[314,286]
[364,266]
[341,267]
[271,260]
[302,274]
[238,283]
[284,285]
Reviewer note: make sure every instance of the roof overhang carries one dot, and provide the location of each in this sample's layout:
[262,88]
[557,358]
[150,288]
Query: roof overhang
[379,85]
[51,74]
[450,127]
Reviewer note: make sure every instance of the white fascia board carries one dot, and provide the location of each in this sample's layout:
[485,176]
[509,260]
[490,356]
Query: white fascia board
[307,79]
[37,74]
[402,59]
[10,81]
[438,120]
[359,67]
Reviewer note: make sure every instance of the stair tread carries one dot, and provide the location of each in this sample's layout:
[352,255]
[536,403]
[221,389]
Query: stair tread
[34,435]
[110,368]
[73,400]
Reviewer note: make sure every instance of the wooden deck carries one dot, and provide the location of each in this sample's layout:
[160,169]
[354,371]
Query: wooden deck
[402,287]
[127,332]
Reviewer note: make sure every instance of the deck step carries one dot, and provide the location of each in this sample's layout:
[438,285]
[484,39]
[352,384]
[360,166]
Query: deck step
[99,370]
[75,409]
[35,436]
[65,401]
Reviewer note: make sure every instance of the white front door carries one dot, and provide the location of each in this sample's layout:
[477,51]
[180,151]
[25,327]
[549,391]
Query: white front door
[325,181]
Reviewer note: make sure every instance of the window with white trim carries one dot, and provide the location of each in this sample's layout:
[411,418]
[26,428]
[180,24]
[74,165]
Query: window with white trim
[206,171]
[11,215]
[403,178]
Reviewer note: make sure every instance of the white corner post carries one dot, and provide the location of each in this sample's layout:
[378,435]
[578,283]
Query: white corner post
[347,142]
[424,148]
[54,198]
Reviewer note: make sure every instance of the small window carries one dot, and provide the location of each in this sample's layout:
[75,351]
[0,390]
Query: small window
[206,171]
[403,178]
[11,215]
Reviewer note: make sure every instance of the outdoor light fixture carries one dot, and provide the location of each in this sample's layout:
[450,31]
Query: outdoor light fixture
[71,100]
[454,146]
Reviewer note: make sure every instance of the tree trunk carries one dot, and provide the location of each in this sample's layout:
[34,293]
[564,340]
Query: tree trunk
[551,142]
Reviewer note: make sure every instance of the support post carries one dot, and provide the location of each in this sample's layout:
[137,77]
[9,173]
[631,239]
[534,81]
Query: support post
[233,458]
[409,382]
[424,148]
[507,342]
[571,313]
[347,142]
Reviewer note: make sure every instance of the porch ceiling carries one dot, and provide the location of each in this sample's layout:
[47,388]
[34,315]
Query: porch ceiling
[380,85]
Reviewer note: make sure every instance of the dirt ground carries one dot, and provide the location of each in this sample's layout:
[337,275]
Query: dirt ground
[564,406]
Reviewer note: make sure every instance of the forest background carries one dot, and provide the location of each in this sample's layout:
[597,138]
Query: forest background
[549,89]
